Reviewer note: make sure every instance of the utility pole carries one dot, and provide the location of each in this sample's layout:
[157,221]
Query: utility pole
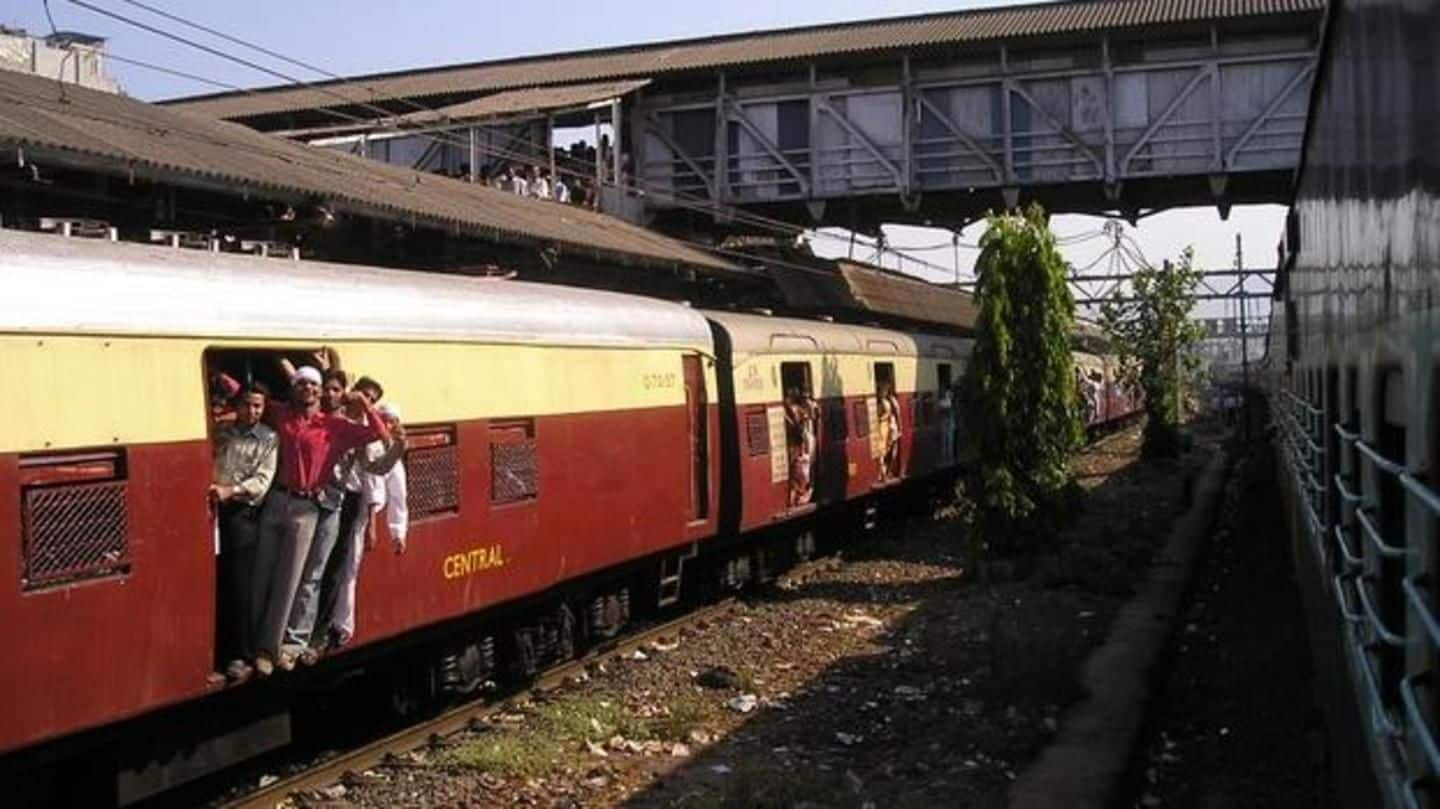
[1244,340]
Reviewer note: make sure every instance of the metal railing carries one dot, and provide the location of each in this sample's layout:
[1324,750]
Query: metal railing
[1351,552]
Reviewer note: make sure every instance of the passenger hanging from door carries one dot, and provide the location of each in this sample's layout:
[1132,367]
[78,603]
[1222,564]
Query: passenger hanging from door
[345,500]
[802,432]
[245,459]
[373,481]
[887,408]
[311,442]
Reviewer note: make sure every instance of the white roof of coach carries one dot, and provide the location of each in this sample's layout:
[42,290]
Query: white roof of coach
[761,334]
[64,285]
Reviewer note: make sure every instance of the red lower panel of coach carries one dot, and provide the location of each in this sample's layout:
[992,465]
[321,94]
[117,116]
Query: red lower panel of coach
[110,566]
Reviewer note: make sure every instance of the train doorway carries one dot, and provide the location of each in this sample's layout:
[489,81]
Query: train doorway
[697,415]
[887,421]
[802,431]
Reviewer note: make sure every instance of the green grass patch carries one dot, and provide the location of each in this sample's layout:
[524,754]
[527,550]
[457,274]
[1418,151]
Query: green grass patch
[591,718]
[688,712]
[523,755]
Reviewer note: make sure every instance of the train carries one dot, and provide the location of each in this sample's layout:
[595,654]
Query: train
[1352,399]
[576,459]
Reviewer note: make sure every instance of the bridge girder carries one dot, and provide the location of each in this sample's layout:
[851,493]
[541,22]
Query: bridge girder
[1087,126]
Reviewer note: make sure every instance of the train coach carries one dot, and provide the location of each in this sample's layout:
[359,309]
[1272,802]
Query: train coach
[554,434]
[574,457]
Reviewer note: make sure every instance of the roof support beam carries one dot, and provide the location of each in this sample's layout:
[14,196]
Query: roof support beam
[860,137]
[1298,80]
[733,112]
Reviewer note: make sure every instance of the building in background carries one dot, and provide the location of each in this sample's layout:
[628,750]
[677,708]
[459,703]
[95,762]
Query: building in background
[67,56]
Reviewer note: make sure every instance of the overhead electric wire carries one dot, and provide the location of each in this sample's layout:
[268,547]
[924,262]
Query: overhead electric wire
[109,54]
[695,203]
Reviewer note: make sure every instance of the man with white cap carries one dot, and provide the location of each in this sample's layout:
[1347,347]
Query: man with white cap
[383,493]
[356,484]
[311,441]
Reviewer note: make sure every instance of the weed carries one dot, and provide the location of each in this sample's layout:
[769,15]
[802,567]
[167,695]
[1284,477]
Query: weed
[523,756]
[591,718]
[687,712]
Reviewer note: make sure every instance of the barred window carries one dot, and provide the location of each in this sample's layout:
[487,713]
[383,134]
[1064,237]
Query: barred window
[74,518]
[513,470]
[862,419]
[757,431]
[432,477]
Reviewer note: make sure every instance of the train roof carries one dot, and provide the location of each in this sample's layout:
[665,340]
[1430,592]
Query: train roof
[55,284]
[762,334]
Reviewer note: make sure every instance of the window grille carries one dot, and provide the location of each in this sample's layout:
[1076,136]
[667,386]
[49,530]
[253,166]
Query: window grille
[514,474]
[74,518]
[757,431]
[432,478]
[862,419]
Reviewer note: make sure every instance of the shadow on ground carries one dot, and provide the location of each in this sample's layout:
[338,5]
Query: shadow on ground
[958,691]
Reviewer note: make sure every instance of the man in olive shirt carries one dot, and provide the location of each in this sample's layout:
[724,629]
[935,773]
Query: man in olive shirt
[246,453]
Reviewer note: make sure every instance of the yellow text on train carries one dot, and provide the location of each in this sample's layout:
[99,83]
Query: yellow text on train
[475,560]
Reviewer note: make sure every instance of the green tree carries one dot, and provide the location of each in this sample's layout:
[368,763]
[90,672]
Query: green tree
[1152,334]
[1020,384]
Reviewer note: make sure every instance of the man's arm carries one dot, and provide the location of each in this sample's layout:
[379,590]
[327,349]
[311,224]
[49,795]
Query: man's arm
[358,435]
[397,510]
[383,462]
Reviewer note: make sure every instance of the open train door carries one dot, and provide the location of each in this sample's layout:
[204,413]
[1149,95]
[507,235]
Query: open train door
[698,426]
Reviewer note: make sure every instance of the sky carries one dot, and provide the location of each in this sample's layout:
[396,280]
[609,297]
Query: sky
[348,37]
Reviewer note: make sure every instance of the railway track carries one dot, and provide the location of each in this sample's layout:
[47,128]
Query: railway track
[457,719]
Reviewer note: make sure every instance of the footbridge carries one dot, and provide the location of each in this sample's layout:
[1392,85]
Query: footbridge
[1101,106]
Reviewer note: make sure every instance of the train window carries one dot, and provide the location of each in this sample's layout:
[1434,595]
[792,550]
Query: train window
[1388,503]
[835,426]
[943,376]
[885,376]
[74,519]
[862,419]
[757,431]
[795,376]
[432,479]
[513,471]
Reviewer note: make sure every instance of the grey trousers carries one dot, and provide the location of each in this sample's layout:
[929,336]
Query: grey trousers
[287,530]
[306,609]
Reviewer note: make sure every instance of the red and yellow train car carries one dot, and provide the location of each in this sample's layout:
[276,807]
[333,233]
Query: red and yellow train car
[786,467]
[554,433]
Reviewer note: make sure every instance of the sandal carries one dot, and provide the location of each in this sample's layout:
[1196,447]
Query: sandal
[238,671]
[310,656]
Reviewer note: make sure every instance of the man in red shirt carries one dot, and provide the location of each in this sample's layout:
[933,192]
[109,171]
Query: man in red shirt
[311,441]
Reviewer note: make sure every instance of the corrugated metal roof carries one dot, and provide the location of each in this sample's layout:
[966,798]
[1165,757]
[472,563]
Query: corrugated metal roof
[900,296]
[972,26]
[506,104]
[534,99]
[122,135]
[91,286]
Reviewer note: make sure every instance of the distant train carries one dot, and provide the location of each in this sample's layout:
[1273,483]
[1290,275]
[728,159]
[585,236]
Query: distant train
[574,457]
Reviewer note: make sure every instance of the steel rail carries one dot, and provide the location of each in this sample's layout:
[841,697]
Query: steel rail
[456,719]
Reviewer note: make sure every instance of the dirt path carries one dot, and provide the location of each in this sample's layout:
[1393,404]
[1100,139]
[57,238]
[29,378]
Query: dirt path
[1233,724]
[889,678]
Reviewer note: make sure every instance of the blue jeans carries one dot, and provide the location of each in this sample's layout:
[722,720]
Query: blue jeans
[306,606]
